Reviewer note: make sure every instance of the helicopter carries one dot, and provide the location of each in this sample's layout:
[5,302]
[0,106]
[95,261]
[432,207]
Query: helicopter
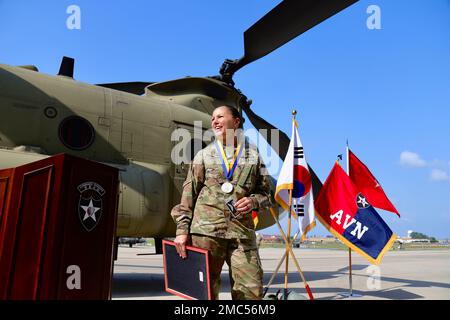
[129,125]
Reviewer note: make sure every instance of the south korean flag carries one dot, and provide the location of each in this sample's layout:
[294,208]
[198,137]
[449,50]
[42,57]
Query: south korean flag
[295,176]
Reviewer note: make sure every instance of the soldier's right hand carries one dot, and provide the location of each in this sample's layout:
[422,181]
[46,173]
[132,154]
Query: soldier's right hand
[180,244]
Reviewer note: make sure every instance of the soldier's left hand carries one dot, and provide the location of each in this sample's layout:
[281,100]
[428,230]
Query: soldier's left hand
[244,205]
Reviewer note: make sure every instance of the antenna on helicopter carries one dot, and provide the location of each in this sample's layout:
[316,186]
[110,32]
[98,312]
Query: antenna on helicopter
[66,67]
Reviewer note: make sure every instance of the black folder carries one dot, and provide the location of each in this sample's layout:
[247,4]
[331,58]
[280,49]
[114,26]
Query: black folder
[187,278]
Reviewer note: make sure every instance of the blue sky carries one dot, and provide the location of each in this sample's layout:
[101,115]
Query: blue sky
[387,90]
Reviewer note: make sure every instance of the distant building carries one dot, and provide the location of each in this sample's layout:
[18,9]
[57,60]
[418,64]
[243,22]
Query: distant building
[410,240]
[267,238]
[317,239]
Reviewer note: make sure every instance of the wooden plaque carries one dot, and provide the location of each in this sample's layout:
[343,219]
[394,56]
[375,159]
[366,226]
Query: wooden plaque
[187,278]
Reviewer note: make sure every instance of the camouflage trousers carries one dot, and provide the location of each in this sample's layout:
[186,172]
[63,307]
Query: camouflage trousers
[242,258]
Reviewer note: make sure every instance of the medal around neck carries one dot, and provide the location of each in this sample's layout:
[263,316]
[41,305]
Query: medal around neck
[228,167]
[227,187]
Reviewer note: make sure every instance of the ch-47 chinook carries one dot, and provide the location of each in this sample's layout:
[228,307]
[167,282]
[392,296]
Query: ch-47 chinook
[129,124]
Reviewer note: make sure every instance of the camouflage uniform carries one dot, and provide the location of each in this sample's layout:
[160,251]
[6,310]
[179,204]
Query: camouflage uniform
[203,213]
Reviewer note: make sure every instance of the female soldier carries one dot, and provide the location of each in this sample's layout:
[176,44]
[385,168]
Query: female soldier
[224,185]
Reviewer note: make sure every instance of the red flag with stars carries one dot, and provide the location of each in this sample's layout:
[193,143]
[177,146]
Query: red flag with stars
[347,214]
[366,183]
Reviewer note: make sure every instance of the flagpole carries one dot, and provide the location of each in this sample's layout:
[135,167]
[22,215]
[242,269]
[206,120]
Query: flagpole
[288,243]
[349,249]
[350,276]
[348,161]
[307,288]
[350,271]
[282,258]
[294,112]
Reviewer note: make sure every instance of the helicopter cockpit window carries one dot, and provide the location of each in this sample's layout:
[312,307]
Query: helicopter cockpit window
[76,133]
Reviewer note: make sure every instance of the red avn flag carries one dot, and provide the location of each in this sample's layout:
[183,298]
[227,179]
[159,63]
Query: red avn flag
[368,185]
[348,215]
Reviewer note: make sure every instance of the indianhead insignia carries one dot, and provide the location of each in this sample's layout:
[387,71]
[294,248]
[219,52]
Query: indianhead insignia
[90,204]
[361,201]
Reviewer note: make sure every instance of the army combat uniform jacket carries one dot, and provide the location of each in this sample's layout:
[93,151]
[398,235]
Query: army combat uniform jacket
[203,210]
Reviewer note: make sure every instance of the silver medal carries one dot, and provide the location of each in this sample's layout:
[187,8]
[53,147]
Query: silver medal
[227,187]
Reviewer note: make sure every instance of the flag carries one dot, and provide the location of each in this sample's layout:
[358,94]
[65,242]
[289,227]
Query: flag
[348,215]
[368,185]
[295,176]
[255,218]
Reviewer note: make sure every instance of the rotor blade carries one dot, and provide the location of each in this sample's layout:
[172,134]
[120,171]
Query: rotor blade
[130,87]
[283,23]
[283,146]
[260,123]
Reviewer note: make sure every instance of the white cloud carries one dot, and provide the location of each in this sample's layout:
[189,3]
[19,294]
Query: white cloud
[411,159]
[439,175]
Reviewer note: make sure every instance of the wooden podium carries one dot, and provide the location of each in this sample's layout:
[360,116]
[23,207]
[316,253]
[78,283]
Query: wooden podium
[57,226]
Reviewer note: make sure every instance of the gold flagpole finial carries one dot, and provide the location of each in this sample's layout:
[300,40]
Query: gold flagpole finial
[294,113]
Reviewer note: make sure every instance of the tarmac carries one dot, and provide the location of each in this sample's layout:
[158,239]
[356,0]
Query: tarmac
[402,275]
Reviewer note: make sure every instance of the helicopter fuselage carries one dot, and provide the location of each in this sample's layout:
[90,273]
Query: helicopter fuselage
[42,115]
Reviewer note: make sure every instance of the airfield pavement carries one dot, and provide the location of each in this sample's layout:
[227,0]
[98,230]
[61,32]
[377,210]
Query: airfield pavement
[403,275]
